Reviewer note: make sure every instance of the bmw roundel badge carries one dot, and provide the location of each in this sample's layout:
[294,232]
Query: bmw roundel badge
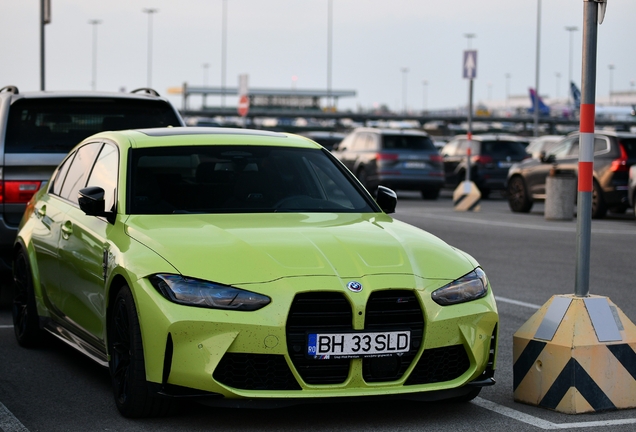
[354,286]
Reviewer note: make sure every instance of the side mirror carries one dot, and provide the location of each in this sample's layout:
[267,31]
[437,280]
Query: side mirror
[91,202]
[335,147]
[386,199]
[547,158]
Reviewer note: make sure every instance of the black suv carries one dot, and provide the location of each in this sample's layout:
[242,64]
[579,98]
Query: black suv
[614,153]
[395,158]
[491,157]
[37,129]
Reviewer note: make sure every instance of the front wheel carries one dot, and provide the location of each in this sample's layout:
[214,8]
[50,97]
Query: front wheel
[599,208]
[518,199]
[127,369]
[25,314]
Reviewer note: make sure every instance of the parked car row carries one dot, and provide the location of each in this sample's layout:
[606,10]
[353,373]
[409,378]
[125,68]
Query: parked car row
[614,154]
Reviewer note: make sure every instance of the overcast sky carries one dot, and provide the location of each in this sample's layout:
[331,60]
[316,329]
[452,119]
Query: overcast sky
[275,40]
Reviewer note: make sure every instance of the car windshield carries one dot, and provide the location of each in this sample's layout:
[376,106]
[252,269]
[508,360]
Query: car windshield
[240,179]
[503,149]
[56,125]
[407,142]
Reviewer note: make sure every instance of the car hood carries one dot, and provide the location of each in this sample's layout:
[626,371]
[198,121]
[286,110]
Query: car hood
[254,248]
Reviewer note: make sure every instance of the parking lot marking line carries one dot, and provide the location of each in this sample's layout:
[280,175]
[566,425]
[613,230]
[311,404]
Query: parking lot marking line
[518,303]
[8,422]
[545,424]
[514,224]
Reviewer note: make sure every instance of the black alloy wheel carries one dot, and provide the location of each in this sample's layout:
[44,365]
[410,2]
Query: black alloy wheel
[518,199]
[25,315]
[128,374]
[599,208]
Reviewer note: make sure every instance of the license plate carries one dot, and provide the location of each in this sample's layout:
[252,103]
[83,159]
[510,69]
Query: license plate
[355,345]
[414,165]
[505,164]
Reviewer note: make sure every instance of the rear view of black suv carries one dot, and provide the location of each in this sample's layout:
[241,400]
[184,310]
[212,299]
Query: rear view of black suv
[37,129]
[491,157]
[614,154]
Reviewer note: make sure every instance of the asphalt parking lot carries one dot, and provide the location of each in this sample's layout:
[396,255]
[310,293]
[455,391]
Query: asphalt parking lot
[527,260]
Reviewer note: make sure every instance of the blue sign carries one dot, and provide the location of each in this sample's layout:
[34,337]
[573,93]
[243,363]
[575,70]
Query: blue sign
[470,64]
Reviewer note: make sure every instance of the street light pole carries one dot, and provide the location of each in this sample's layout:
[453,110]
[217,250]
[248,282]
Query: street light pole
[45,18]
[150,12]
[536,82]
[570,29]
[507,89]
[223,50]
[558,77]
[405,71]
[424,105]
[611,82]
[205,80]
[94,23]
[329,50]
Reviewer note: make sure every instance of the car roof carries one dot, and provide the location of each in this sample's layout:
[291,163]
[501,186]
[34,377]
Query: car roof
[177,136]
[609,133]
[494,137]
[16,95]
[387,131]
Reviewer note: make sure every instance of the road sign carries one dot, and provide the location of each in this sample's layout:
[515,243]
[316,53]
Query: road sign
[243,105]
[470,64]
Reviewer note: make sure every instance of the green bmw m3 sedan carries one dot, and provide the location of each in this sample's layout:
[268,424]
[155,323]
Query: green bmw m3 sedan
[238,267]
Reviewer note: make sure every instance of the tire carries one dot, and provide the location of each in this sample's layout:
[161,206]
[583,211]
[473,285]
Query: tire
[127,369]
[26,323]
[599,208]
[430,194]
[518,199]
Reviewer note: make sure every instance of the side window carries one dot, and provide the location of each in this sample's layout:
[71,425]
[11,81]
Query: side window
[358,142]
[58,181]
[561,150]
[449,149]
[104,174]
[346,143]
[372,142]
[574,148]
[78,171]
[462,148]
[600,145]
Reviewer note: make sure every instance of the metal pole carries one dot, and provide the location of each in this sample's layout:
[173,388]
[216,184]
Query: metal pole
[223,51]
[586,149]
[150,12]
[611,82]
[470,128]
[329,50]
[94,23]
[42,23]
[404,72]
[536,82]
[570,29]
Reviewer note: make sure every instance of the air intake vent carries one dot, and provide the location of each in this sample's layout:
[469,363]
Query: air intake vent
[393,310]
[255,372]
[439,365]
[318,311]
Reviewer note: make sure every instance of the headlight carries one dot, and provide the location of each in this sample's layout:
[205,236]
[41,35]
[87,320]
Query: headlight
[472,286]
[195,292]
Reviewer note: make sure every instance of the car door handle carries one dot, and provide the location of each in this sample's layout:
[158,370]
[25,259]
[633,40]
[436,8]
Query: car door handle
[67,230]
[40,212]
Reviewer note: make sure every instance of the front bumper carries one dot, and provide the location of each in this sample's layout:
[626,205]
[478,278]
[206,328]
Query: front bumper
[260,355]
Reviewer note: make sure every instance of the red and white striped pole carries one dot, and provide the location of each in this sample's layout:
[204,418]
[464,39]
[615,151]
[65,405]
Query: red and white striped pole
[591,17]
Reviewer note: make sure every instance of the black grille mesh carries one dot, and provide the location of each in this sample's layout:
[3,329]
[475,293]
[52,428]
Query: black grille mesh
[388,311]
[324,311]
[439,365]
[255,372]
